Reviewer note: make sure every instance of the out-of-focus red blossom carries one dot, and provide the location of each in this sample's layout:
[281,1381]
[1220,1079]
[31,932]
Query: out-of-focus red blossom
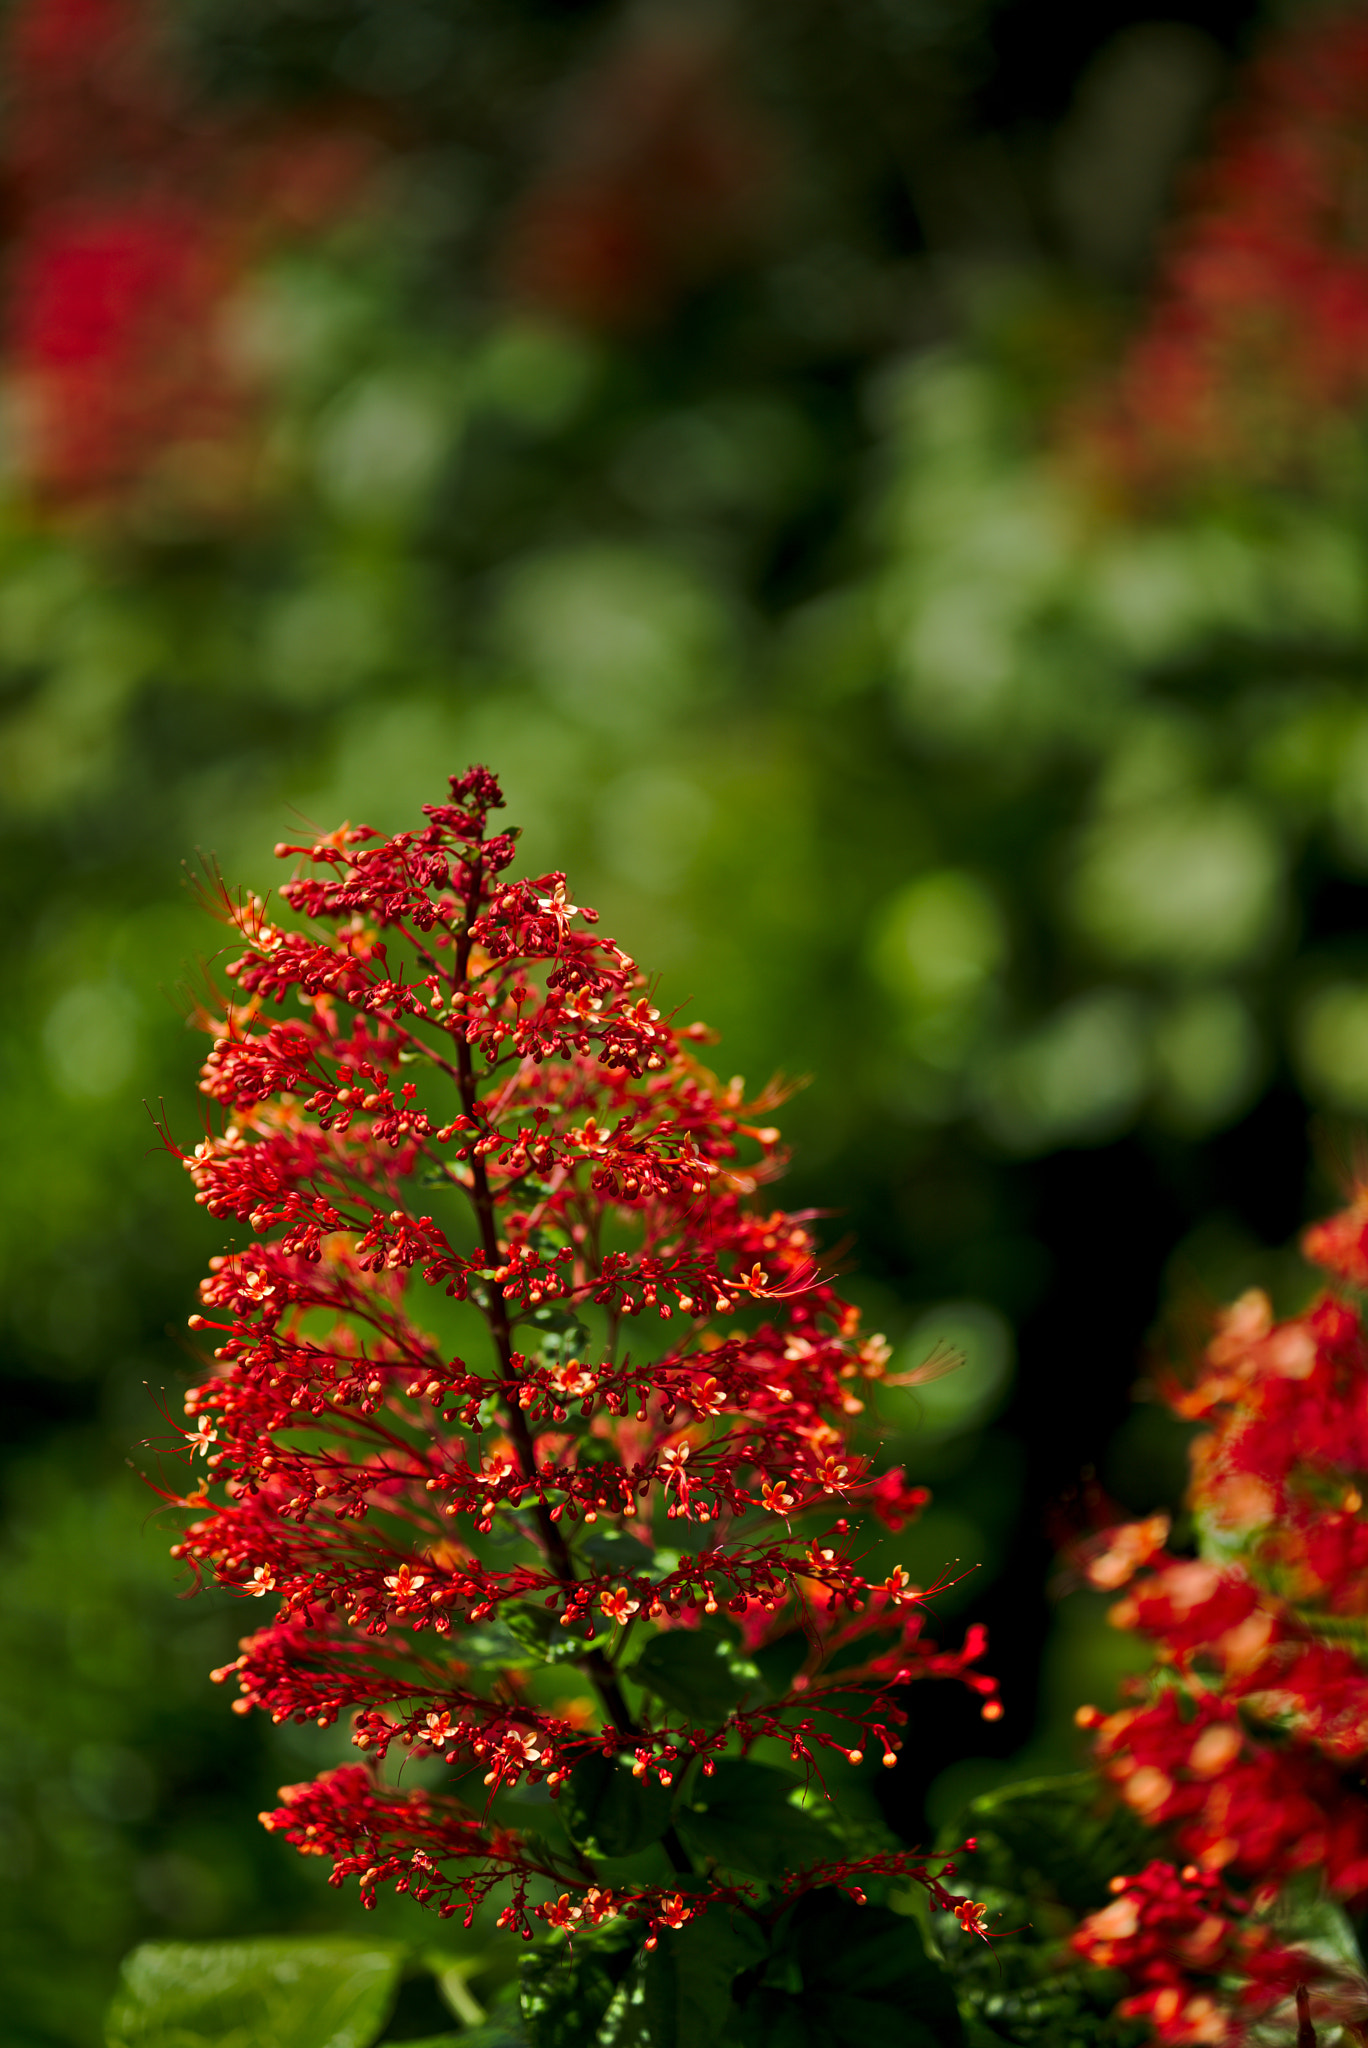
[1258,335]
[1180,1937]
[1248,1744]
[894,1501]
[444,1073]
[663,176]
[1340,1243]
[138,212]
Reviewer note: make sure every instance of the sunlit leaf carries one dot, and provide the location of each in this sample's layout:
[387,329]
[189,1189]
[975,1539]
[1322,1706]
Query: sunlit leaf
[691,1669]
[311,1992]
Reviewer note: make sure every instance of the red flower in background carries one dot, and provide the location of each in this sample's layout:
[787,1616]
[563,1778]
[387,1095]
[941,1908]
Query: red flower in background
[1259,327]
[138,213]
[1248,1744]
[1175,1934]
[632,1430]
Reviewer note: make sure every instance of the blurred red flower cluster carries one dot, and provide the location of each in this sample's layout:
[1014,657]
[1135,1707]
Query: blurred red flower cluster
[1258,333]
[1173,1934]
[138,209]
[1247,1744]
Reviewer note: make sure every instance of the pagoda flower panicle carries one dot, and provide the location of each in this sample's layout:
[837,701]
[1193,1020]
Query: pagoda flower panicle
[595,1537]
[1255,349]
[1246,1746]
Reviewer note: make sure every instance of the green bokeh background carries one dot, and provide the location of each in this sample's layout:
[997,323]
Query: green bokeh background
[1035,832]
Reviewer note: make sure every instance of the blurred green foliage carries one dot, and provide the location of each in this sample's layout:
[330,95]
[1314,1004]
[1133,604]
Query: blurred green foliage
[1036,832]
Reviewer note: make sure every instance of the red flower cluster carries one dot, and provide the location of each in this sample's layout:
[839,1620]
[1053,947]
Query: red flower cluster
[1260,324]
[1248,1745]
[138,211]
[1173,1935]
[628,1436]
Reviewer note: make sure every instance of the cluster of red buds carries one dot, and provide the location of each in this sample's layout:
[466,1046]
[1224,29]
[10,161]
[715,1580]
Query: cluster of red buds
[1247,1743]
[618,1475]
[1260,320]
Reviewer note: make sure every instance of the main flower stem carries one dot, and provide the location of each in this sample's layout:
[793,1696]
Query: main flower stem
[593,1663]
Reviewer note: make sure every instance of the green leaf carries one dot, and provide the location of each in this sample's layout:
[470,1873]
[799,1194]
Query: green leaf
[741,1817]
[778,1663]
[495,1643]
[1304,1917]
[314,1992]
[1045,1852]
[619,1551]
[567,1988]
[687,1980]
[845,1976]
[691,1669]
[627,1556]
[608,1812]
[521,1639]
[1061,1838]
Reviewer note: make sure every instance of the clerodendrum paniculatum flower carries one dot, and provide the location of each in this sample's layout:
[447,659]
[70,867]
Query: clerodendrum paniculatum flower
[1247,1743]
[593,1539]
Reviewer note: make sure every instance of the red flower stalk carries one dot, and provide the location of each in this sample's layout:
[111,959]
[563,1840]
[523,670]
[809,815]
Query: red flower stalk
[466,1536]
[1259,328]
[1248,1743]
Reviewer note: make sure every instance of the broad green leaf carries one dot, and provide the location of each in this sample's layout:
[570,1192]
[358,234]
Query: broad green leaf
[741,1817]
[845,1976]
[1063,1838]
[779,1662]
[495,1643]
[616,1551]
[687,1980]
[1046,1850]
[621,1552]
[1304,1917]
[313,1992]
[567,1988]
[521,1640]
[691,1669]
[608,1812]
